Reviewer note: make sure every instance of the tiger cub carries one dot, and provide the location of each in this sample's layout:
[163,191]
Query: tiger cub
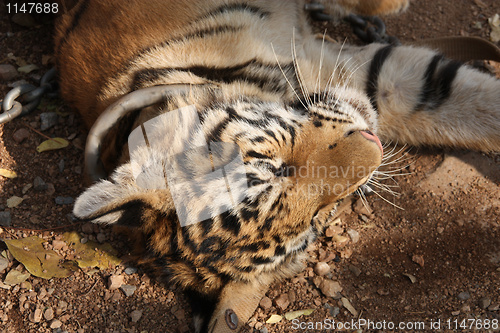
[224,176]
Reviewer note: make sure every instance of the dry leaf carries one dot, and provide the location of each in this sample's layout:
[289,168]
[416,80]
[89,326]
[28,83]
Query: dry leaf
[37,260]
[494,22]
[274,319]
[52,144]
[8,173]
[296,314]
[91,254]
[15,277]
[14,201]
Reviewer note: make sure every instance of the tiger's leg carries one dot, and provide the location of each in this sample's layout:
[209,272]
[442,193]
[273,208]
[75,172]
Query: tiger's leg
[421,97]
[340,8]
[237,303]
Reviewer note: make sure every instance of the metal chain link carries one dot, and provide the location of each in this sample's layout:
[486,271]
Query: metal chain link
[30,95]
[370,29]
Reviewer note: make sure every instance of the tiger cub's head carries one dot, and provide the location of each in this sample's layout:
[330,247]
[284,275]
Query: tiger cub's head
[197,164]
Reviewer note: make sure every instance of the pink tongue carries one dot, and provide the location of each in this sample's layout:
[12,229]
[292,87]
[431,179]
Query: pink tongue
[372,137]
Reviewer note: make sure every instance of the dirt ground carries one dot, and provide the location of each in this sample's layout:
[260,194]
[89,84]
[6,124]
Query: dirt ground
[435,260]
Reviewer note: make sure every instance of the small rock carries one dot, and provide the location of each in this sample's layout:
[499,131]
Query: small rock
[4,263]
[136,315]
[58,244]
[101,237]
[321,268]
[354,235]
[64,200]
[61,165]
[36,316]
[55,324]
[418,259]
[5,219]
[484,302]
[494,307]
[455,313]
[179,314]
[130,270]
[264,329]
[48,314]
[282,301]
[20,135]
[115,282]
[265,303]
[88,228]
[362,208]
[463,296]
[330,288]
[48,120]
[26,285]
[356,271]
[26,188]
[24,20]
[84,240]
[465,309]
[333,230]
[7,72]
[39,184]
[128,290]
[349,307]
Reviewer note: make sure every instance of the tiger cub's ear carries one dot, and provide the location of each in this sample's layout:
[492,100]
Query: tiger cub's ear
[121,202]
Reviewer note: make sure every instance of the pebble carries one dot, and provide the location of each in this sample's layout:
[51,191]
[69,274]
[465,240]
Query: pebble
[64,200]
[494,307]
[354,235]
[115,282]
[282,301]
[58,244]
[264,330]
[55,324]
[88,228]
[39,184]
[321,268]
[362,208]
[136,315]
[24,20]
[130,270]
[20,135]
[48,120]
[101,237]
[265,303]
[4,263]
[330,288]
[128,290]
[36,316]
[49,314]
[5,219]
[484,302]
[60,165]
[463,296]
[356,271]
[7,72]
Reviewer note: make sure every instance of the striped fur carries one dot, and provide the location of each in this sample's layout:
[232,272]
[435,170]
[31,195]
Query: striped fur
[289,101]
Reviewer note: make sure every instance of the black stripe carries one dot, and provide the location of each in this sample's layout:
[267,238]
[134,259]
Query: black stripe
[447,76]
[253,153]
[428,88]
[438,82]
[196,34]
[375,68]
[274,81]
[244,7]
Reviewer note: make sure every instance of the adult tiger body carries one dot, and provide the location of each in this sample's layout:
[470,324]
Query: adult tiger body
[260,79]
